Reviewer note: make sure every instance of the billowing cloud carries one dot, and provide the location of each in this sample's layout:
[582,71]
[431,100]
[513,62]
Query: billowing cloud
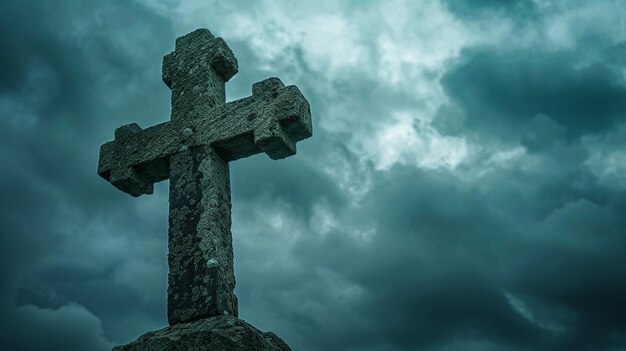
[502,93]
[464,187]
[70,327]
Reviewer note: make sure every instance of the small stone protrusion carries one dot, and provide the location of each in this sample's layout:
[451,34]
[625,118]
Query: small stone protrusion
[130,182]
[271,138]
[127,130]
[211,263]
[187,132]
[223,60]
[267,89]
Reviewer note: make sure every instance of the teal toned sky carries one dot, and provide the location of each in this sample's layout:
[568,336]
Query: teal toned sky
[465,187]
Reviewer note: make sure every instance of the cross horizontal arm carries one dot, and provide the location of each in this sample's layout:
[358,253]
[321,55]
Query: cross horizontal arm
[272,120]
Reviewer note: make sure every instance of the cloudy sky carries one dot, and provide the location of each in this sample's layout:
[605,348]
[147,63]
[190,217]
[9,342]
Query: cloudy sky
[465,187]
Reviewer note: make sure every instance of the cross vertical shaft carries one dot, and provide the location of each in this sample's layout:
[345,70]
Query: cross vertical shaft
[201,277]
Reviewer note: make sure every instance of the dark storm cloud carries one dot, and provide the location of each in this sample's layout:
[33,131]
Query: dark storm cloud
[71,327]
[519,259]
[615,55]
[425,274]
[501,93]
[288,180]
[568,275]
[60,62]
[517,9]
[526,255]
[578,274]
[453,262]
[80,64]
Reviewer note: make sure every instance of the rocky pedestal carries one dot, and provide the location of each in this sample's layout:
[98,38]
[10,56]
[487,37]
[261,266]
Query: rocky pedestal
[221,333]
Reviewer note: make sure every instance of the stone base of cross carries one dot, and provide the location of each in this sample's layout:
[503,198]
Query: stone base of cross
[220,333]
[193,151]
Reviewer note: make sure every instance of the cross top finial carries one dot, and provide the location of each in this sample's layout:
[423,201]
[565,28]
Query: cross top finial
[196,72]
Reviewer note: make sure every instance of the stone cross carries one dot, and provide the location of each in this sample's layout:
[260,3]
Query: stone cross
[193,149]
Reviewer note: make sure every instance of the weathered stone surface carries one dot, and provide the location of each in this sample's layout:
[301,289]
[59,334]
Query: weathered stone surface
[222,333]
[200,242]
[272,123]
[193,150]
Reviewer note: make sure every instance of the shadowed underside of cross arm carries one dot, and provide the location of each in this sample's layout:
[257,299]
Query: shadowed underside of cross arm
[272,120]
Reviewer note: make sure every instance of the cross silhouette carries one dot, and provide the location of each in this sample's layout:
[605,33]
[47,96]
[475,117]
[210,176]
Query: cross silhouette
[193,150]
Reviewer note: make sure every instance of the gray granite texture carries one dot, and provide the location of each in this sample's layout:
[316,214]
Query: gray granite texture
[193,150]
[221,333]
